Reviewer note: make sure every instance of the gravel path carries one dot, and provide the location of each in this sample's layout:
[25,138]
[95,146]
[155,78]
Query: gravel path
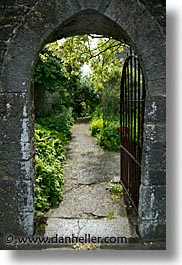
[88,205]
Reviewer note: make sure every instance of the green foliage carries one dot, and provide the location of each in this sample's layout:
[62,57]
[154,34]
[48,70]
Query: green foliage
[48,71]
[59,126]
[59,69]
[110,102]
[102,54]
[116,189]
[96,126]
[51,135]
[49,180]
[74,53]
[110,215]
[106,133]
[106,62]
[85,98]
[81,97]
[110,139]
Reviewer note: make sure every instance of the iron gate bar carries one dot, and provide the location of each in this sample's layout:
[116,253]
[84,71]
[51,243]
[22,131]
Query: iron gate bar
[135,91]
[136,100]
[130,155]
[129,196]
[132,99]
[131,96]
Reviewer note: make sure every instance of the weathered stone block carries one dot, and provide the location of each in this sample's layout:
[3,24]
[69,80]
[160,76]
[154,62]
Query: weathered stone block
[14,105]
[16,196]
[123,11]
[13,15]
[89,21]
[18,65]
[21,149]
[155,132]
[147,36]
[157,70]
[154,154]
[16,223]
[152,230]
[155,109]
[154,67]
[156,87]
[152,203]
[143,31]
[17,170]
[45,101]
[48,16]
[10,150]
[14,84]
[96,4]
[157,9]
[11,129]
[153,175]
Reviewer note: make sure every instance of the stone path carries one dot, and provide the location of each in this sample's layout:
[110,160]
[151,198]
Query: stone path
[88,206]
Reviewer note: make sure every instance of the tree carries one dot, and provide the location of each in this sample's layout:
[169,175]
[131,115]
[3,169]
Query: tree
[60,63]
[48,71]
[104,55]
[86,98]
[73,52]
[106,62]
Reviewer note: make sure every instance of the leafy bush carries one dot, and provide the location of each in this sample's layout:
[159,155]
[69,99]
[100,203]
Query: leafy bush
[106,133]
[110,139]
[51,136]
[86,98]
[48,72]
[58,126]
[96,126]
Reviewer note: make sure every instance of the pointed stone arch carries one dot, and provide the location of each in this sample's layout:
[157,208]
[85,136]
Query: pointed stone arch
[44,22]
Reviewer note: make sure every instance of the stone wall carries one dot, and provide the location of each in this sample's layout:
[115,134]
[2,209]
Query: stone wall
[25,27]
[45,102]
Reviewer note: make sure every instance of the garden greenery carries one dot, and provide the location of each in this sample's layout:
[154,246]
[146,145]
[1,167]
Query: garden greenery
[58,69]
[106,133]
[51,135]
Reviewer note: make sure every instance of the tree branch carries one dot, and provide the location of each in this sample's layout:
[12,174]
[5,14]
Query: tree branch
[96,55]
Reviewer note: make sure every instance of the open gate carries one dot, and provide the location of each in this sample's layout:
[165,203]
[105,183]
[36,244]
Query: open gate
[132,100]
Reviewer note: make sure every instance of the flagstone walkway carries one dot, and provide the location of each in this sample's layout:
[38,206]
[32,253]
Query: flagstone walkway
[89,206]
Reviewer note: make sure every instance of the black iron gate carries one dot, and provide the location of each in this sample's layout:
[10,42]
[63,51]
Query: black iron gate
[132,99]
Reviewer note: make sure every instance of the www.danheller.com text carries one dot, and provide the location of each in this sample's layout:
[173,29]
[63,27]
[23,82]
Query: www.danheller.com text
[87,238]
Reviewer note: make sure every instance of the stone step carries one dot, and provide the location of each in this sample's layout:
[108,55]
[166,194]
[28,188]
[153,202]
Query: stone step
[116,228]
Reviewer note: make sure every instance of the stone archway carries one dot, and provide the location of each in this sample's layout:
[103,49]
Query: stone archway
[39,23]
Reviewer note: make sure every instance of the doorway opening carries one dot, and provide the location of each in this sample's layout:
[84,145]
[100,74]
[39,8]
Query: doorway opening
[78,80]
